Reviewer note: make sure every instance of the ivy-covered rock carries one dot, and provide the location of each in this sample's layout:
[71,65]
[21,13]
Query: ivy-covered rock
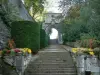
[26,34]
[4,34]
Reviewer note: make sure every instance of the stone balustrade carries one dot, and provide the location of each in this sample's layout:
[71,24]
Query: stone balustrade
[86,63]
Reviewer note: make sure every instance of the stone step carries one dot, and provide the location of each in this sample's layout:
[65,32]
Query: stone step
[51,74]
[52,63]
[53,68]
[56,66]
[60,65]
[51,71]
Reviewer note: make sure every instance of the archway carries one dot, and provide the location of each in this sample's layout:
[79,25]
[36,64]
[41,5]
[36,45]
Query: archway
[55,33]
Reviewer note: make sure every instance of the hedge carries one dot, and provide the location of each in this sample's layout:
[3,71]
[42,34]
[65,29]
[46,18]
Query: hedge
[44,39]
[26,34]
[47,40]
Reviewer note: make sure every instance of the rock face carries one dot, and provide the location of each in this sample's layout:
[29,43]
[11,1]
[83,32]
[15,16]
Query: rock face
[23,13]
[4,34]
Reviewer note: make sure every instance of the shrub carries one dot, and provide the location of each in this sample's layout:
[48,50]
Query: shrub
[47,38]
[86,43]
[26,34]
[44,39]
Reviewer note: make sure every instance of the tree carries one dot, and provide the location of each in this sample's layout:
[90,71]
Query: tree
[35,7]
[95,4]
[75,23]
[66,4]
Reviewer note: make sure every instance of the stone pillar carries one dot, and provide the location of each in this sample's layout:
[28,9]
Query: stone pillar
[80,64]
[20,63]
[60,38]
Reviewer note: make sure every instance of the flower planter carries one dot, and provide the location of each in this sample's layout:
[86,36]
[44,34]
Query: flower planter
[87,63]
[19,57]
[19,61]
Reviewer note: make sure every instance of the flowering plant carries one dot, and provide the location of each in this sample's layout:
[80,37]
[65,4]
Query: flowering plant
[83,50]
[15,51]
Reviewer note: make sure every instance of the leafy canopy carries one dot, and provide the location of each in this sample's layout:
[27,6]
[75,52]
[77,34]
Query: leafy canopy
[35,8]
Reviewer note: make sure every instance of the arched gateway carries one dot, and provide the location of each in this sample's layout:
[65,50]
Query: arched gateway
[52,21]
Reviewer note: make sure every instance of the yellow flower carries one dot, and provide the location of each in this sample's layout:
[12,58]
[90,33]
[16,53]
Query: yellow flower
[90,49]
[29,51]
[91,53]
[74,50]
[25,49]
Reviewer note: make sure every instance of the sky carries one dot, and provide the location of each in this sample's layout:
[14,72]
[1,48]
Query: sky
[52,6]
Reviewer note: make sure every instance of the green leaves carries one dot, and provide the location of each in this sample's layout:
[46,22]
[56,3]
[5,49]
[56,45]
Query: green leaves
[35,7]
[82,21]
[95,4]
[26,34]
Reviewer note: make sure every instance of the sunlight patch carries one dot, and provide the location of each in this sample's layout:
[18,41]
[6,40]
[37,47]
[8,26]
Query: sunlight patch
[54,34]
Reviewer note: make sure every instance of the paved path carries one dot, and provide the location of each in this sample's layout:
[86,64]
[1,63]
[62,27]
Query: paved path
[54,60]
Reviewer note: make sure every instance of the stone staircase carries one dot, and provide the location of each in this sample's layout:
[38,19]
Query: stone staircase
[52,63]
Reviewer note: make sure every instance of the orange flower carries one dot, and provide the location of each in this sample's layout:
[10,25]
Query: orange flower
[0,52]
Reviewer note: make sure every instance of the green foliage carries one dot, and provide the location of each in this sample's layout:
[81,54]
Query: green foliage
[74,11]
[3,1]
[87,36]
[86,43]
[94,25]
[85,40]
[85,26]
[81,23]
[95,4]
[26,34]
[72,32]
[47,38]
[35,7]
[44,39]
